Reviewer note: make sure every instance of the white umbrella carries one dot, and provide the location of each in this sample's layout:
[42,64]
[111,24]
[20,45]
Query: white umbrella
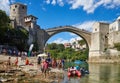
[42,55]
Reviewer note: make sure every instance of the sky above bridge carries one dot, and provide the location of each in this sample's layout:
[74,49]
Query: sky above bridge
[79,13]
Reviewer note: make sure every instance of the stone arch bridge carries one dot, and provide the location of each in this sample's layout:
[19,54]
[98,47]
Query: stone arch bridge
[44,35]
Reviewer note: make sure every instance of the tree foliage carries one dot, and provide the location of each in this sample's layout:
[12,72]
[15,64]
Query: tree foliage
[4,19]
[117,45]
[10,36]
[82,42]
[59,51]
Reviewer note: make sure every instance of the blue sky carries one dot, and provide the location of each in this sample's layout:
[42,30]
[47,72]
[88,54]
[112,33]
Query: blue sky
[78,13]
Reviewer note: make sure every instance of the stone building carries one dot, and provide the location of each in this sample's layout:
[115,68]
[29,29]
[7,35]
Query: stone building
[17,13]
[114,32]
[103,38]
[19,18]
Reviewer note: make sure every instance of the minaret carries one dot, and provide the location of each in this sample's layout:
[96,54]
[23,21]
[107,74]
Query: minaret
[17,13]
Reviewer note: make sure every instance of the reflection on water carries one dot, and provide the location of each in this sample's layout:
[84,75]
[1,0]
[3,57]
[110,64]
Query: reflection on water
[99,73]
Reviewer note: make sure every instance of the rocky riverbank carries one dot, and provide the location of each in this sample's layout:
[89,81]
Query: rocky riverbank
[27,73]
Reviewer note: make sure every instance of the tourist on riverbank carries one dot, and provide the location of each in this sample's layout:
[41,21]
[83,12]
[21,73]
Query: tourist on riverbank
[45,68]
[9,63]
[39,60]
[41,66]
[54,63]
[16,62]
[26,61]
[63,63]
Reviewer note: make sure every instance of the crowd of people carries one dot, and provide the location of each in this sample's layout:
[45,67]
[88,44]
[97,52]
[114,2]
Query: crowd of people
[46,63]
[15,52]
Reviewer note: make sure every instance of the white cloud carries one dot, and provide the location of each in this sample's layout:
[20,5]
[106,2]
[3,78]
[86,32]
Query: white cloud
[88,5]
[85,25]
[53,2]
[60,40]
[60,2]
[74,39]
[47,1]
[12,1]
[72,34]
[4,5]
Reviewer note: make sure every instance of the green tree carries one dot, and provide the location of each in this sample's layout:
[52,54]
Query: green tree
[4,25]
[4,19]
[69,53]
[8,35]
[52,46]
[82,42]
[117,45]
[60,47]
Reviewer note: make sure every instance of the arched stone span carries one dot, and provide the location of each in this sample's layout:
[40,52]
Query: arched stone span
[80,32]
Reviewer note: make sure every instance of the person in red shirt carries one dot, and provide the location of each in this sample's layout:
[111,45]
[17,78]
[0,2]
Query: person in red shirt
[16,62]
[45,67]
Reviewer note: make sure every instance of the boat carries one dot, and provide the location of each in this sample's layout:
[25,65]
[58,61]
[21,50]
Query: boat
[74,73]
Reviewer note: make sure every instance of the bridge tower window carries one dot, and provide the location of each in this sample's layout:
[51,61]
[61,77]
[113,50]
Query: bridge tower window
[95,29]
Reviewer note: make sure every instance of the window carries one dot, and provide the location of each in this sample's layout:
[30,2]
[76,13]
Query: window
[23,7]
[13,9]
[95,29]
[15,6]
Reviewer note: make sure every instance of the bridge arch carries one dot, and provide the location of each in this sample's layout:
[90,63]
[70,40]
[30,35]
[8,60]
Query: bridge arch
[80,32]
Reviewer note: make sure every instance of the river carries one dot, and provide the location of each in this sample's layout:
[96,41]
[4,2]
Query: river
[99,73]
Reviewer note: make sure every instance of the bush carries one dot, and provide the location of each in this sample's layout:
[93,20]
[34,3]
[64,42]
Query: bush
[117,45]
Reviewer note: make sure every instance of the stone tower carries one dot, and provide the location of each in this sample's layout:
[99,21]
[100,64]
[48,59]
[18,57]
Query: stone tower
[17,13]
[99,39]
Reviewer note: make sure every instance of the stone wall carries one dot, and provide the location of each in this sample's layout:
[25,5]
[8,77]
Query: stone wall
[98,39]
[114,37]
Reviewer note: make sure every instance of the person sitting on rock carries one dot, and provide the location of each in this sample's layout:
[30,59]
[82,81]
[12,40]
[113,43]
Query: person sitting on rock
[26,61]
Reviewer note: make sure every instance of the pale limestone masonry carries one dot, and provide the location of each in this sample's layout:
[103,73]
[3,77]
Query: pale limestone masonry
[17,13]
[98,39]
[114,32]
[103,37]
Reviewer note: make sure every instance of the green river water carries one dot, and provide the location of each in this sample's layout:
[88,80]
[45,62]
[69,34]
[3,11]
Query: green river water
[99,73]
